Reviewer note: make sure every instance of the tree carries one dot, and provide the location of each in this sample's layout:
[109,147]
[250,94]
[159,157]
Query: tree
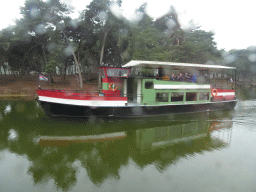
[169,24]
[244,60]
[146,42]
[198,47]
[34,32]
[105,34]
[6,37]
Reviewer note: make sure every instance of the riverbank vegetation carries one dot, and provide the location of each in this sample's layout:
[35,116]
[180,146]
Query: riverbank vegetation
[46,40]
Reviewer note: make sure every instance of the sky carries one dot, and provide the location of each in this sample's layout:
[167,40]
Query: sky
[233,22]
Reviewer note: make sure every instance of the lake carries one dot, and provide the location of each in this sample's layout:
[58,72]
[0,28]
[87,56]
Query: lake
[196,152]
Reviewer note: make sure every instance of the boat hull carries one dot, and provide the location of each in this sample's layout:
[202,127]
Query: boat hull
[58,109]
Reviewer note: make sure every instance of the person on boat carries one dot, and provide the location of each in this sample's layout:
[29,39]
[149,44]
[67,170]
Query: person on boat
[193,78]
[181,77]
[161,72]
[186,77]
[166,78]
[173,77]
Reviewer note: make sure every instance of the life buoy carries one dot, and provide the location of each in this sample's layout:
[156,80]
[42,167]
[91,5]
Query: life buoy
[111,85]
[214,92]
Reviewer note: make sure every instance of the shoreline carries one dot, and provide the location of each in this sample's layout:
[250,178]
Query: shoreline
[12,87]
[18,97]
[24,88]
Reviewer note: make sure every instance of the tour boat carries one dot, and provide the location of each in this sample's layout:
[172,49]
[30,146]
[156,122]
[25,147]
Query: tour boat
[144,88]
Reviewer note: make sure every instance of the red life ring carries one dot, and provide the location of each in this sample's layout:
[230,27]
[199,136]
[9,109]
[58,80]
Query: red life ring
[214,92]
[111,88]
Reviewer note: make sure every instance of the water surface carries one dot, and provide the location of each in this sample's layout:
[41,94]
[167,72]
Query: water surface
[195,152]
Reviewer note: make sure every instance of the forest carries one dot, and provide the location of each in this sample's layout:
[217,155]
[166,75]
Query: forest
[47,40]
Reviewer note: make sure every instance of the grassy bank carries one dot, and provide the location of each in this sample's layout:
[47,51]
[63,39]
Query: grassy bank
[25,87]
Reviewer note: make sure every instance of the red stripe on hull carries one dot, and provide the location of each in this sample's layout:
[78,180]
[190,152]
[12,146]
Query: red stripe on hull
[62,94]
[224,97]
[225,90]
[221,98]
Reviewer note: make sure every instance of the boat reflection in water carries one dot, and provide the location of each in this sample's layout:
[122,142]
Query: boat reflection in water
[99,148]
[161,143]
[149,136]
[179,140]
[68,140]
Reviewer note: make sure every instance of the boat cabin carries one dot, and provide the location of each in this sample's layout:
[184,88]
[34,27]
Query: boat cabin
[113,80]
[151,83]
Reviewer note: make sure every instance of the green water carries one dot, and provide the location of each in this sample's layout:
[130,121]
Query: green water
[196,152]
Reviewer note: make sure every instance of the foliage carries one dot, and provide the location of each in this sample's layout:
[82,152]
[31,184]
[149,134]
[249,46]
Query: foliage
[244,60]
[198,47]
[45,37]
[146,42]
[105,33]
[6,36]
[33,34]
[169,24]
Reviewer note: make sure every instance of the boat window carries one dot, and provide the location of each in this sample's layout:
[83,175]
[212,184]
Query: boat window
[162,97]
[112,72]
[149,85]
[177,96]
[191,96]
[123,72]
[203,96]
[117,72]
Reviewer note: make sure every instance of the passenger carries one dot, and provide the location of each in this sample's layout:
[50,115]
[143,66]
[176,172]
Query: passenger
[173,77]
[190,75]
[180,78]
[186,77]
[166,78]
[193,78]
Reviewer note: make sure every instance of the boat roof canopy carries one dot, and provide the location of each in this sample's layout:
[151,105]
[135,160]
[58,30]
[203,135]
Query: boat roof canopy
[172,65]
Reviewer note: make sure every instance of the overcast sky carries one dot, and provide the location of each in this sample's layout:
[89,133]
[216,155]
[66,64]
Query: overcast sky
[233,22]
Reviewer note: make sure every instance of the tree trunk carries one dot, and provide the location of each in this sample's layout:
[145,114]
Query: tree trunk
[65,69]
[101,55]
[76,62]
[118,49]
[50,79]
[103,45]
[79,72]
